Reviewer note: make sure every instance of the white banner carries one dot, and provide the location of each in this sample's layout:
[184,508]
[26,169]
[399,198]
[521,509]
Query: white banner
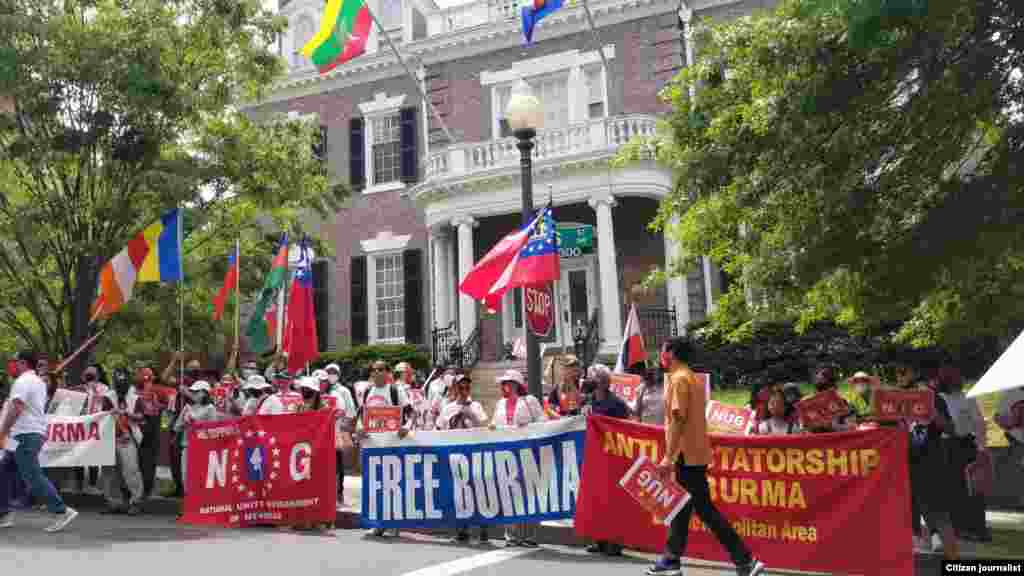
[74,441]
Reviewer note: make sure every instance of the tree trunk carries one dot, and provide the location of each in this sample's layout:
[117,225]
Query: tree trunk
[86,281]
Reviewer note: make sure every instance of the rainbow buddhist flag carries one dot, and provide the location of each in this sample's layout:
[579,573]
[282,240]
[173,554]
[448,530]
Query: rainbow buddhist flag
[343,34]
[153,255]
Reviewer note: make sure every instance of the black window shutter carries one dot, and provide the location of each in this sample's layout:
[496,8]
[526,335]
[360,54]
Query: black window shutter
[356,155]
[320,283]
[410,157]
[412,260]
[359,313]
[320,145]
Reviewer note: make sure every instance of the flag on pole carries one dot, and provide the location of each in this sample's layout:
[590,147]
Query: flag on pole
[153,255]
[230,283]
[633,351]
[344,33]
[257,329]
[302,345]
[536,264]
[532,13]
[489,270]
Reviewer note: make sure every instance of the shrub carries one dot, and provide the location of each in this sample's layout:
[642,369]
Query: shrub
[354,359]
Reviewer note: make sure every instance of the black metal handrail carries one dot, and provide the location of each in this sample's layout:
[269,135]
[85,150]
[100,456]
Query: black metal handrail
[592,341]
[446,349]
[471,349]
[657,324]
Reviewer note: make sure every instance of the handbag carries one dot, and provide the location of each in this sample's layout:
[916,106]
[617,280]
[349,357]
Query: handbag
[978,475]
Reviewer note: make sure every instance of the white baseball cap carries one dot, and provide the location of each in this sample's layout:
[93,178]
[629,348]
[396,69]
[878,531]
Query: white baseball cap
[255,382]
[512,376]
[403,367]
[334,367]
[310,383]
[200,386]
[320,374]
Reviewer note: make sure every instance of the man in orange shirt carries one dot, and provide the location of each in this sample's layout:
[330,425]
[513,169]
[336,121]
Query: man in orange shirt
[688,455]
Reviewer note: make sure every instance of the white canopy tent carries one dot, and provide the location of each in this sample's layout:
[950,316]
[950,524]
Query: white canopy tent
[1005,374]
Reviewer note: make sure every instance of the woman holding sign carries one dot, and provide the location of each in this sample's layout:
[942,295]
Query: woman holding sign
[517,409]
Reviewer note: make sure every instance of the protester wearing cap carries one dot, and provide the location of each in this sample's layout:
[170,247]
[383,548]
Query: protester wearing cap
[254,390]
[199,408]
[461,414]
[517,409]
[250,369]
[271,403]
[384,392]
[345,419]
[404,375]
[863,385]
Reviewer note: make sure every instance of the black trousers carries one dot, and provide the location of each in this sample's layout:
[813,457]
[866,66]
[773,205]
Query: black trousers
[149,452]
[179,484]
[695,480]
[340,456]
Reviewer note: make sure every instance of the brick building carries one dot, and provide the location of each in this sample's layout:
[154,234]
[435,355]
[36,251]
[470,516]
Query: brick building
[425,208]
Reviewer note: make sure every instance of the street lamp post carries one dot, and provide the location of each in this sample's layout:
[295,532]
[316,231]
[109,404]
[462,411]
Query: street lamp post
[525,116]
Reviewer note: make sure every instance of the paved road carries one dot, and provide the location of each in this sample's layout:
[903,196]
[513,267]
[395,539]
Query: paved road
[155,546]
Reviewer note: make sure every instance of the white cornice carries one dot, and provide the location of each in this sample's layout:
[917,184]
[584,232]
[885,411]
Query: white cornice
[382,105]
[463,43]
[385,242]
[542,65]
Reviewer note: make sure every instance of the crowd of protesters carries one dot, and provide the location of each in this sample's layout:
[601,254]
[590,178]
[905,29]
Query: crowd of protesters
[942,452]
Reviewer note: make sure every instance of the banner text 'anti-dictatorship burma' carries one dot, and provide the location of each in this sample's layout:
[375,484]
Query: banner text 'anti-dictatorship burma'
[798,501]
[440,479]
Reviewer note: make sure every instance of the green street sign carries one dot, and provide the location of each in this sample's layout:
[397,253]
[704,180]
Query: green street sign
[575,240]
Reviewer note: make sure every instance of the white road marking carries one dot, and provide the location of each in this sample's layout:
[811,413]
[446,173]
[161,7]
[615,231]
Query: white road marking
[470,563]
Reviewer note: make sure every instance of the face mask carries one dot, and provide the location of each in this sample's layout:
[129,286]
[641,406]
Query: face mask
[332,378]
[206,400]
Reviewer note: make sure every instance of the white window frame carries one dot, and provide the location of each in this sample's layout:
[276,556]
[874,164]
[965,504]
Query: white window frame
[603,79]
[385,244]
[571,62]
[380,107]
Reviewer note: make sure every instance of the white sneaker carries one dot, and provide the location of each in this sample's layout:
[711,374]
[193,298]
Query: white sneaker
[62,520]
[936,543]
[7,520]
[93,491]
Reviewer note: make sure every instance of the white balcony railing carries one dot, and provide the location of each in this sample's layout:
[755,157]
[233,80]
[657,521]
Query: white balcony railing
[592,136]
[469,15]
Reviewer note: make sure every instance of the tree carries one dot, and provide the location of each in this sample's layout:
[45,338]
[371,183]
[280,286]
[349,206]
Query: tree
[113,112]
[857,161]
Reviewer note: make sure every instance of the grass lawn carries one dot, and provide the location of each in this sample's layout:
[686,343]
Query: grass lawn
[989,403]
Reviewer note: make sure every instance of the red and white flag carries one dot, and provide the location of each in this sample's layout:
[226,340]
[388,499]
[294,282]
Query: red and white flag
[633,350]
[489,278]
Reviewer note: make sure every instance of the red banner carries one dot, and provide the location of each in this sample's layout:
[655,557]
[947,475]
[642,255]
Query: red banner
[261,470]
[798,501]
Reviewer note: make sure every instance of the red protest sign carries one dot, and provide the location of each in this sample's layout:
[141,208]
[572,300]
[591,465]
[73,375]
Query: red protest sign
[540,309]
[800,499]
[262,470]
[382,418]
[903,405]
[626,386]
[820,409]
[728,419]
[662,497]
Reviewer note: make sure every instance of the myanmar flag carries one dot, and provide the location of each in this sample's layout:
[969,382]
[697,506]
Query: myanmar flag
[257,329]
[343,34]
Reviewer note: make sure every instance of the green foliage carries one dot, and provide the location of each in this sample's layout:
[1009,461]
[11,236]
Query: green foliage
[859,163]
[123,110]
[360,357]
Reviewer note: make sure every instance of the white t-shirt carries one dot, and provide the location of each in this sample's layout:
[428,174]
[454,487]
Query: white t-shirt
[527,411]
[272,406]
[346,404]
[31,390]
[360,388]
[774,426]
[437,387]
[453,409]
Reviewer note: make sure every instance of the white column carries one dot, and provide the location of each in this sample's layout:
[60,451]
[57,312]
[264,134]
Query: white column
[453,282]
[467,306]
[709,285]
[676,285]
[442,282]
[611,307]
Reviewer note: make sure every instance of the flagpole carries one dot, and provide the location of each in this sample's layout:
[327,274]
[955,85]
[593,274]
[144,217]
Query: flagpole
[238,303]
[417,81]
[181,300]
[596,36]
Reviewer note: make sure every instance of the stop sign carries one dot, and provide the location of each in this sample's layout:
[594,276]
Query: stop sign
[540,309]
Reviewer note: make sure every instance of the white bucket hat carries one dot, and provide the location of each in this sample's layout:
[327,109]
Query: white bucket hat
[310,383]
[200,386]
[512,376]
[334,367]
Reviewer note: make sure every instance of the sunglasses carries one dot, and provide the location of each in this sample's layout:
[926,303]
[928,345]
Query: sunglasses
[380,369]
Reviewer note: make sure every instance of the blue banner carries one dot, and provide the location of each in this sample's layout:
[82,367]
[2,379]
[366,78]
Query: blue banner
[473,477]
